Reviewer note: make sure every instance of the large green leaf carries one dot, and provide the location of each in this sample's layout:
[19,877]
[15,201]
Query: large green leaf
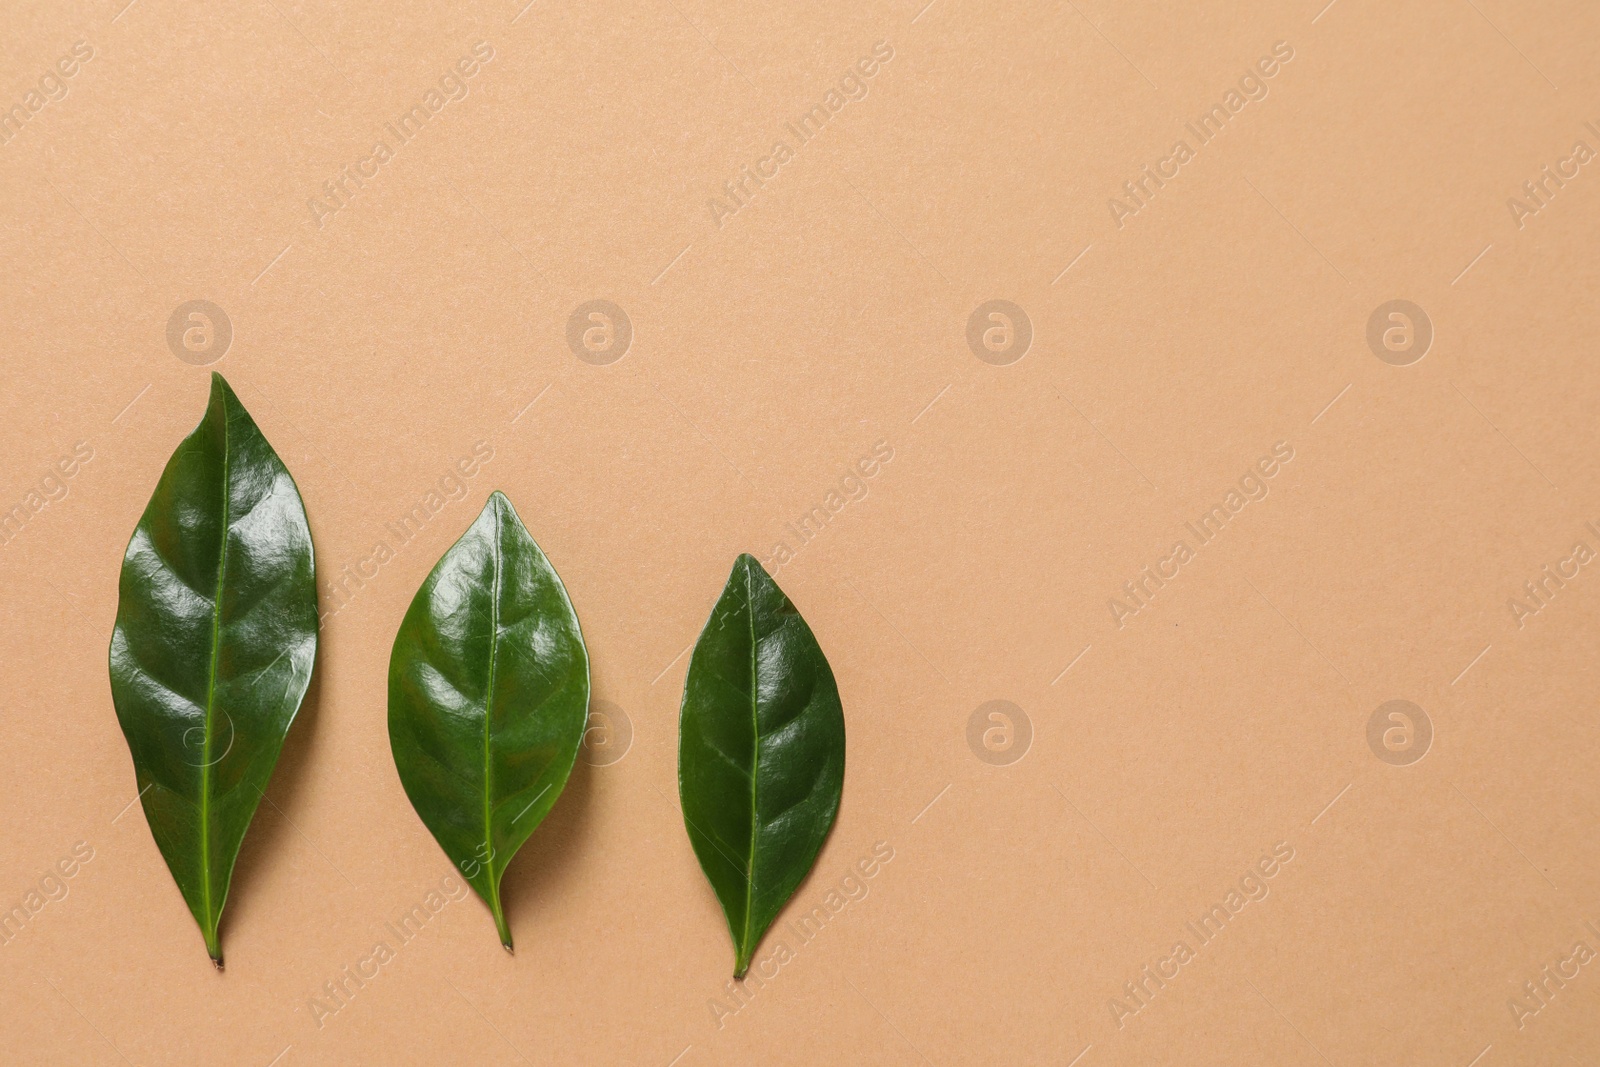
[215,638]
[488,697]
[760,752]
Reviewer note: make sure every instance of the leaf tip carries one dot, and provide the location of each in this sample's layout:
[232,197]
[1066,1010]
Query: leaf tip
[748,566]
[222,396]
[500,504]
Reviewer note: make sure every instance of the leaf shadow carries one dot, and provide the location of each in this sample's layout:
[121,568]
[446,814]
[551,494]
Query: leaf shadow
[271,837]
[547,857]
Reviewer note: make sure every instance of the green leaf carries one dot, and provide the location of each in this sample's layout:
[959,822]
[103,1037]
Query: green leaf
[488,697]
[215,638]
[760,752]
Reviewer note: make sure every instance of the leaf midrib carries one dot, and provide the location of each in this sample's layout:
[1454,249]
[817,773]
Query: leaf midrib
[755,762]
[488,723]
[211,686]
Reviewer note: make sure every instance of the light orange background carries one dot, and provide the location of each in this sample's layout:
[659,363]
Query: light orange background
[1167,751]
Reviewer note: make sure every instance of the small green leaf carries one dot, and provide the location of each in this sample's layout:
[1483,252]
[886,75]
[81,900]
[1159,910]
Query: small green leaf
[214,642]
[488,697]
[760,752]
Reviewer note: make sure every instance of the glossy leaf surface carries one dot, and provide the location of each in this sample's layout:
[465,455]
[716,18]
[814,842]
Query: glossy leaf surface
[488,697]
[760,752]
[215,639]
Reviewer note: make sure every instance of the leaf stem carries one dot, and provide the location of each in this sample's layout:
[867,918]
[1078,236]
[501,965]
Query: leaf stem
[500,923]
[213,942]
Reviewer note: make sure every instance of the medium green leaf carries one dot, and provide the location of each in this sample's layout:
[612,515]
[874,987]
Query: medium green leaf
[760,752]
[214,642]
[488,697]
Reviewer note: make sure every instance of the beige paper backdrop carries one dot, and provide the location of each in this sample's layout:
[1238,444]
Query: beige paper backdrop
[1146,553]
